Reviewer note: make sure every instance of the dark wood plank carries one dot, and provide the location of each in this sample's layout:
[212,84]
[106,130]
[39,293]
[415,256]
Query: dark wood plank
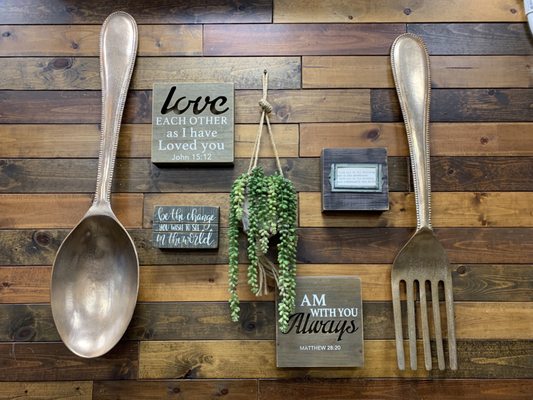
[152,321]
[475,39]
[211,321]
[83,73]
[493,282]
[140,175]
[380,245]
[227,359]
[84,107]
[300,39]
[347,389]
[83,40]
[176,389]
[53,362]
[455,174]
[28,247]
[315,246]
[154,12]
[461,105]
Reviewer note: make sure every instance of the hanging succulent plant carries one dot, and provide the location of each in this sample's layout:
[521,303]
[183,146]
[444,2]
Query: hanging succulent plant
[266,206]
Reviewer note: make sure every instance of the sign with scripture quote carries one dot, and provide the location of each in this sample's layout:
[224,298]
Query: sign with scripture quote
[354,179]
[185,227]
[193,123]
[326,328]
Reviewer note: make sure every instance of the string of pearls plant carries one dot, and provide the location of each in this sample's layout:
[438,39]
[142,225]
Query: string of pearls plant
[266,205]
[271,210]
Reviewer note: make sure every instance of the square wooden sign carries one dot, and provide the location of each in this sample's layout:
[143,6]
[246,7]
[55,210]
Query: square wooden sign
[185,227]
[193,123]
[354,179]
[326,328]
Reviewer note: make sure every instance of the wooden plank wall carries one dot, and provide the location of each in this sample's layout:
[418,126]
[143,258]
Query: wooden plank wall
[331,86]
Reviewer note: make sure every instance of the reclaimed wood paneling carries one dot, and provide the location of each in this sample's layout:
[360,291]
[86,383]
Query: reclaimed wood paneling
[454,174]
[446,72]
[316,246]
[380,245]
[448,209]
[461,105]
[176,389]
[155,12]
[256,359]
[59,141]
[286,11]
[167,283]
[447,139]
[475,39]
[300,39]
[398,389]
[75,107]
[207,321]
[80,390]
[83,73]
[54,362]
[83,40]
[63,210]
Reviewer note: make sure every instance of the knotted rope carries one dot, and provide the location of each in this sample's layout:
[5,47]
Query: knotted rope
[266,109]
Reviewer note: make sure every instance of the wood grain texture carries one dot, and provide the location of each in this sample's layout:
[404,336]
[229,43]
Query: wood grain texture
[316,246]
[475,39]
[25,284]
[299,39]
[461,105]
[80,390]
[346,389]
[286,11]
[83,73]
[210,321]
[156,12]
[226,359]
[447,139]
[84,107]
[59,141]
[380,245]
[446,72]
[176,389]
[82,40]
[63,211]
[448,209]
[54,362]
[200,283]
[454,174]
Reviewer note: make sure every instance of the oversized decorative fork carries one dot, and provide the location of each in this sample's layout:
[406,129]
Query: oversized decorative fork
[422,263]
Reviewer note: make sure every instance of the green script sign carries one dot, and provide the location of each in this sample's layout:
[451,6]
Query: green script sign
[193,123]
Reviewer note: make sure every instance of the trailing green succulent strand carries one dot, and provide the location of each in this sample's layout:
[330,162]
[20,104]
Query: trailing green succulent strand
[237,197]
[287,203]
[271,210]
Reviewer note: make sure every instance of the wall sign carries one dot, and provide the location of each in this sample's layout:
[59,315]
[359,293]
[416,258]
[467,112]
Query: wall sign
[326,329]
[185,227]
[355,180]
[193,123]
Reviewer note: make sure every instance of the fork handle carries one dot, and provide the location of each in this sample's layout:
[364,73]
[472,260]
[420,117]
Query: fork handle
[410,67]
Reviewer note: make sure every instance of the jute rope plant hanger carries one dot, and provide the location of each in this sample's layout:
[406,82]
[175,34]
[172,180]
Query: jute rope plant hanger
[266,206]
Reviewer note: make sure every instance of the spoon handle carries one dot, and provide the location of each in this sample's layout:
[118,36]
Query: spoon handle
[118,48]
[410,67]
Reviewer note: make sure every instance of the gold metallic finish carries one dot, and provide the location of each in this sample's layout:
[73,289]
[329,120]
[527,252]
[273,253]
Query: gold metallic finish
[95,277]
[422,263]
